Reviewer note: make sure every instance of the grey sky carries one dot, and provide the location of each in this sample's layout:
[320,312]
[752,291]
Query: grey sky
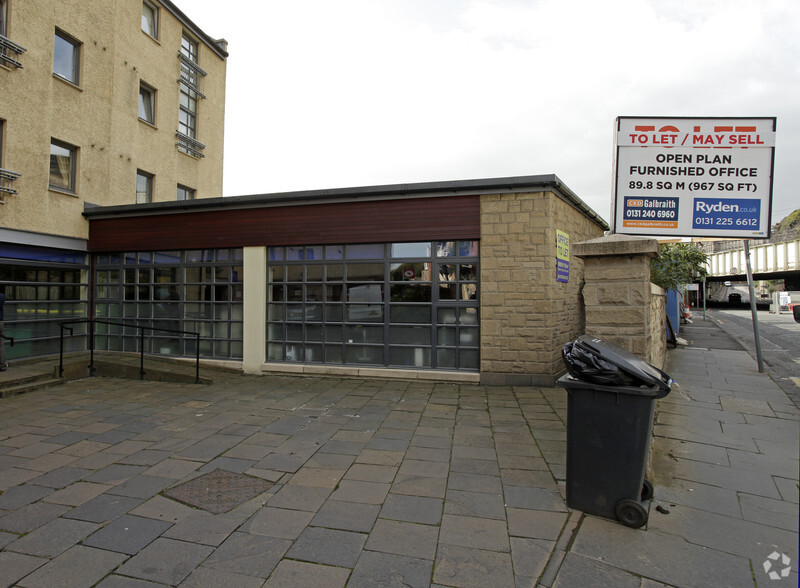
[324,94]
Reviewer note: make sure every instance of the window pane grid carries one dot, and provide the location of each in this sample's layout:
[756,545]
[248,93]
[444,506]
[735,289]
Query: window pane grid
[199,291]
[373,304]
[39,295]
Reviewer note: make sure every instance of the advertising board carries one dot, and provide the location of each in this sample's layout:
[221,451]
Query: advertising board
[694,177]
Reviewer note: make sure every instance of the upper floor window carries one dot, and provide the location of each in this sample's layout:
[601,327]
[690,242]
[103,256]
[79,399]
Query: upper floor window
[66,57]
[63,163]
[185,193]
[8,49]
[144,187]
[3,16]
[189,48]
[150,19]
[147,103]
[191,73]
[7,177]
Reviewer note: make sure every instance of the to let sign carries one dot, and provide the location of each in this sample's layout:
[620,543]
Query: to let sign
[694,177]
[562,256]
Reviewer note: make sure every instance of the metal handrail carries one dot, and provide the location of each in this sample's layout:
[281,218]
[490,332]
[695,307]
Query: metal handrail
[141,328]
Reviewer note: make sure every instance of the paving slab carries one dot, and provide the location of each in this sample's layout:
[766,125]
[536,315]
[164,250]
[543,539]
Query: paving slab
[656,556]
[202,577]
[472,568]
[328,546]
[346,516]
[53,538]
[278,522]
[165,561]
[22,495]
[577,570]
[14,566]
[737,536]
[413,509]
[473,532]
[79,566]
[127,534]
[248,554]
[31,516]
[397,482]
[403,538]
[386,569]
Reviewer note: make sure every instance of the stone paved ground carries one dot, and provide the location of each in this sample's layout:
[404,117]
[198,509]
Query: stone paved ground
[387,483]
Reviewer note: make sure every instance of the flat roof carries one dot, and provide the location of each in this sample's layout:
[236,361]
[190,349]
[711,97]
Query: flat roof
[365,193]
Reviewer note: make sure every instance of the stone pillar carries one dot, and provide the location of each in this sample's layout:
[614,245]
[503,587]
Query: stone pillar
[621,303]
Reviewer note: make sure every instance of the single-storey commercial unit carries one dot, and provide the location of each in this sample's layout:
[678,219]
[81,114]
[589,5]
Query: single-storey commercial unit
[457,280]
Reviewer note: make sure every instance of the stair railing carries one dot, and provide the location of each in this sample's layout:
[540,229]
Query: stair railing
[141,328]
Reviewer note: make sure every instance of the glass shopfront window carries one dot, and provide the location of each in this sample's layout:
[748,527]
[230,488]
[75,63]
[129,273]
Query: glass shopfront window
[43,287]
[199,291]
[381,304]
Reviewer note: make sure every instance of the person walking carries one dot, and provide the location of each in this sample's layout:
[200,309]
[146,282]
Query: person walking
[3,364]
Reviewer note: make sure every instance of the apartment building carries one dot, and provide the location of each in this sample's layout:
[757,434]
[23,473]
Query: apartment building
[102,103]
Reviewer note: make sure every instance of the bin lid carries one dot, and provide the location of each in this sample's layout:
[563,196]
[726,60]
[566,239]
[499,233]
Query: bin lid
[633,365]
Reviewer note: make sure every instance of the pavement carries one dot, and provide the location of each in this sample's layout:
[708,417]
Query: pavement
[319,481]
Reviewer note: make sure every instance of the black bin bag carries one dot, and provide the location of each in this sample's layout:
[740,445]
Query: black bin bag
[610,407]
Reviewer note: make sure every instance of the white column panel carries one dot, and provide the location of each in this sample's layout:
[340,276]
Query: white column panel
[255,309]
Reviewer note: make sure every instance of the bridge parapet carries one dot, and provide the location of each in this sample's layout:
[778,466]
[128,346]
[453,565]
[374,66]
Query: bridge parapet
[764,258]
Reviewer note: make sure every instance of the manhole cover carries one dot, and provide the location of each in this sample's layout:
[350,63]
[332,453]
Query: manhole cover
[218,491]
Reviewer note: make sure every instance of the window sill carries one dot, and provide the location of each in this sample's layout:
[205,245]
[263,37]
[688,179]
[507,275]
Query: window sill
[147,123]
[151,37]
[67,82]
[62,191]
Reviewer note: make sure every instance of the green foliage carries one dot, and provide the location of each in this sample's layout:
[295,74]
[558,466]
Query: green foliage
[677,264]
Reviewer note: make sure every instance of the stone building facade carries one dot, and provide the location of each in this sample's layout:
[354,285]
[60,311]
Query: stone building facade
[75,131]
[443,280]
[527,315]
[102,102]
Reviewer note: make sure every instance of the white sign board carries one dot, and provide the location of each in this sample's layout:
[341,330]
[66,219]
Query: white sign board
[694,177]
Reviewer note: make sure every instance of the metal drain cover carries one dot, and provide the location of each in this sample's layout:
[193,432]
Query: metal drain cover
[218,491]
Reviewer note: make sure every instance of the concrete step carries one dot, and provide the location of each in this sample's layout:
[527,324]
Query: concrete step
[28,384]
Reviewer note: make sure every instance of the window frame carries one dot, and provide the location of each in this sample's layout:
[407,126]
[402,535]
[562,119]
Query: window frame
[187,126]
[193,51]
[149,186]
[147,89]
[379,304]
[4,18]
[189,193]
[75,75]
[73,150]
[154,8]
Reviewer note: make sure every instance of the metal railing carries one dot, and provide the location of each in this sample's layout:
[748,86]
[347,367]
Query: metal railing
[141,328]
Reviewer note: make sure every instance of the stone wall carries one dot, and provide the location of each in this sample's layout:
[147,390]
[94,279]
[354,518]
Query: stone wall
[622,306]
[658,327]
[526,315]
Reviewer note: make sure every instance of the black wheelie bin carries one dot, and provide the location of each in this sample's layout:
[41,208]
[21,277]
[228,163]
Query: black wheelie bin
[611,399]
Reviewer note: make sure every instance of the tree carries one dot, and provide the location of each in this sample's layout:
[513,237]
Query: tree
[677,264]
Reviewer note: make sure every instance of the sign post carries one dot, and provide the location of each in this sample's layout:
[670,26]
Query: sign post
[696,177]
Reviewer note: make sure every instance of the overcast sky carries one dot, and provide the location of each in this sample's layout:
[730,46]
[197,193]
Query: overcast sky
[343,93]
